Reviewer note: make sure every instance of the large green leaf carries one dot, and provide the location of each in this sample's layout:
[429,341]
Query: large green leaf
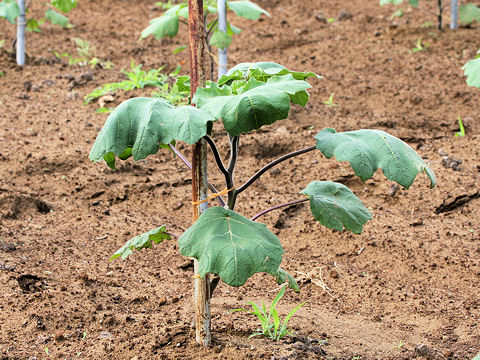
[246,9]
[259,103]
[9,10]
[56,18]
[64,5]
[232,246]
[369,150]
[336,207]
[145,240]
[139,126]
[469,13]
[472,71]
[165,25]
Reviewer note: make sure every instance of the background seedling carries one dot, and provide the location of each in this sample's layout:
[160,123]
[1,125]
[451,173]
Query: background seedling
[419,46]
[329,102]
[13,11]
[139,79]
[218,31]
[85,52]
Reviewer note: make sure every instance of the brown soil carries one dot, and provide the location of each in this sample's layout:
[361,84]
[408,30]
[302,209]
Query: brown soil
[407,287]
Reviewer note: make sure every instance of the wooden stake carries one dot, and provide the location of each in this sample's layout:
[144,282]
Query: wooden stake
[196,32]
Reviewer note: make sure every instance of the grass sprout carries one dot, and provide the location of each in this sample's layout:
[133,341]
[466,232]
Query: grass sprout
[272,327]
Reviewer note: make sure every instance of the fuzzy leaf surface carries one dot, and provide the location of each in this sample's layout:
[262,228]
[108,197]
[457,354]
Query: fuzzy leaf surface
[256,104]
[472,71]
[140,125]
[9,10]
[232,246]
[247,9]
[145,240]
[165,25]
[336,206]
[369,150]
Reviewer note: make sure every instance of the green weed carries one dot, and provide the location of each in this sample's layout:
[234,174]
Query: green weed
[270,321]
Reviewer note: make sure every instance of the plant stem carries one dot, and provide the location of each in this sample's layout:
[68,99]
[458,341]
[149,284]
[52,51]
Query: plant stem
[268,167]
[440,11]
[278,207]
[211,28]
[218,160]
[210,185]
[234,143]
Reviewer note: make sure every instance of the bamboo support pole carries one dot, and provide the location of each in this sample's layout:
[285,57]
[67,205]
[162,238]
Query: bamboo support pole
[199,166]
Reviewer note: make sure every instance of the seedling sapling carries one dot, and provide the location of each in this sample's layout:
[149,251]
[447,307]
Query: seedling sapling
[419,46]
[329,102]
[460,125]
[250,96]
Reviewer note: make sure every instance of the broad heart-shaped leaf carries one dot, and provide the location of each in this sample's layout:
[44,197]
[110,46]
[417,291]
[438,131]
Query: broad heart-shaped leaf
[56,18]
[246,9]
[165,25]
[336,207]
[469,13]
[472,71]
[369,150]
[144,240]
[9,10]
[64,5]
[261,103]
[138,126]
[232,246]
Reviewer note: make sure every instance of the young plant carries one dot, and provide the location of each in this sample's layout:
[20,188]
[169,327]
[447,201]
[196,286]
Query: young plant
[139,79]
[329,102]
[419,46]
[460,125]
[85,52]
[270,321]
[250,96]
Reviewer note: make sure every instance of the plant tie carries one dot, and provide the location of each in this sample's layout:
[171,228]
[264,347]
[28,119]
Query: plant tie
[213,196]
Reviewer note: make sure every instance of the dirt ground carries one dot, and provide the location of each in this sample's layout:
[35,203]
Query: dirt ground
[407,287]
